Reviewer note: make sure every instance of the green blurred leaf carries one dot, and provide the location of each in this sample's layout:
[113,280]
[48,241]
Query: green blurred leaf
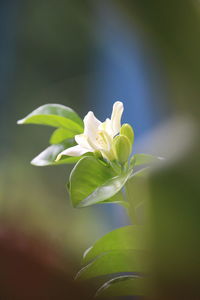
[93,181]
[48,156]
[55,115]
[59,135]
[143,159]
[124,238]
[112,262]
[127,285]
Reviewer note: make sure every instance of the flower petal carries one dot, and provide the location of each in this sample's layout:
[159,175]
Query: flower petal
[72,151]
[91,124]
[118,109]
[107,126]
[81,140]
[106,140]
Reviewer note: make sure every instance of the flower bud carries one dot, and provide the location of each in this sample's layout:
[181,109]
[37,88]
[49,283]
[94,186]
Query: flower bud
[127,130]
[122,148]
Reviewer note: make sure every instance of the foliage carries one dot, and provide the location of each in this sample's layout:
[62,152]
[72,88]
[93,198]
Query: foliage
[93,180]
[68,124]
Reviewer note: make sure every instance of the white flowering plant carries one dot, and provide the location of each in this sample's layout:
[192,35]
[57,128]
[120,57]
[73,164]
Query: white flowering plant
[104,172]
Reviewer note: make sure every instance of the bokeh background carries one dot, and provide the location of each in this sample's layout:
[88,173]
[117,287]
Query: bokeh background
[86,55]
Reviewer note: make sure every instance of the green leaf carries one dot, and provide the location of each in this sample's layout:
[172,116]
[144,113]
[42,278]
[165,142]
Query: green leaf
[93,181]
[55,115]
[88,174]
[106,191]
[127,285]
[124,238]
[143,159]
[59,135]
[48,156]
[141,173]
[112,262]
[117,199]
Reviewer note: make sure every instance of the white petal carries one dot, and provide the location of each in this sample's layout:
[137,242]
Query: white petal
[81,140]
[91,124]
[73,151]
[107,126]
[118,109]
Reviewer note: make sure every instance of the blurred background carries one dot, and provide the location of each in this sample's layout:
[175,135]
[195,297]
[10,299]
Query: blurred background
[87,55]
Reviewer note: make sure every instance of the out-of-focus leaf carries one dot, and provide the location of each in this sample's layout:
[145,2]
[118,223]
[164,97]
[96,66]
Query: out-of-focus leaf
[143,159]
[113,262]
[127,285]
[55,115]
[124,238]
[60,134]
[48,156]
[92,182]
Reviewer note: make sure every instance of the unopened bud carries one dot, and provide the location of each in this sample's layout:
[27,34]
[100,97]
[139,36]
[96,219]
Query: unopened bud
[127,130]
[122,148]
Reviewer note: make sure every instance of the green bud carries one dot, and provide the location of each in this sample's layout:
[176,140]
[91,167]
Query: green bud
[122,148]
[127,130]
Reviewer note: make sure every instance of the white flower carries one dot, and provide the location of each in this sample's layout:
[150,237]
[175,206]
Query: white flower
[97,136]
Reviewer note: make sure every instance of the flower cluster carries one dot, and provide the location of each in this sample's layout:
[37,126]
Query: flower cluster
[109,139]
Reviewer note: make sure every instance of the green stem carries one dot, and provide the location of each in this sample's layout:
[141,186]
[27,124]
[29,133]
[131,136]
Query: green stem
[131,211]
